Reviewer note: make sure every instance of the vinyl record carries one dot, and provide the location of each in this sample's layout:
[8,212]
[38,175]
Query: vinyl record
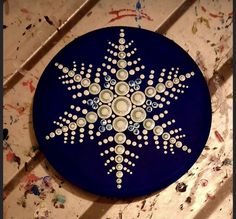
[122,112]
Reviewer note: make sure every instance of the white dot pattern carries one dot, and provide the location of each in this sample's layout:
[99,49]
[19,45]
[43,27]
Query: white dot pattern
[114,101]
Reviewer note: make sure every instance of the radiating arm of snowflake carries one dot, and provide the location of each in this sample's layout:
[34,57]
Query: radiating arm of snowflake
[113,101]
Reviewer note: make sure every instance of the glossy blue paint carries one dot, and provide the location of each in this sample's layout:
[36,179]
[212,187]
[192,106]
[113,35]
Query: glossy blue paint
[81,163]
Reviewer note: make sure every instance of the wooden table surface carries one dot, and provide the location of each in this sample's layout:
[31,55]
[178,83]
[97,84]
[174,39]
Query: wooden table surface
[34,31]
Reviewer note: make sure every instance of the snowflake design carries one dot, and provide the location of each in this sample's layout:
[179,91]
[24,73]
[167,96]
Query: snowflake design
[118,105]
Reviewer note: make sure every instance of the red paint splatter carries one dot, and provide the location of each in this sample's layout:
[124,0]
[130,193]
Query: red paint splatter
[215,15]
[11,157]
[214,159]
[219,15]
[219,137]
[31,178]
[128,13]
[20,110]
[29,83]
[222,44]
[24,10]
[199,61]
[203,8]
[32,184]
[204,182]
[221,48]
[210,197]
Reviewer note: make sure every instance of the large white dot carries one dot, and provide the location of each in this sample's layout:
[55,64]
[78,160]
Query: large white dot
[106,96]
[138,114]
[77,78]
[150,91]
[94,88]
[122,74]
[119,158]
[148,124]
[138,98]
[72,126]
[81,122]
[122,88]
[120,138]
[158,130]
[91,117]
[119,149]
[121,106]
[121,63]
[120,124]
[104,111]
[160,87]
[85,82]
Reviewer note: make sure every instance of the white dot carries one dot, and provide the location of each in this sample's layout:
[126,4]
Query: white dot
[128,142]
[142,76]
[113,70]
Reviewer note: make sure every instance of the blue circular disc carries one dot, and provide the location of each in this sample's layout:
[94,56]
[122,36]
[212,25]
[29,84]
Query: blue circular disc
[122,112]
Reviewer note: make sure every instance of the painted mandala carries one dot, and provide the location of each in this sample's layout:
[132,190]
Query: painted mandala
[123,107]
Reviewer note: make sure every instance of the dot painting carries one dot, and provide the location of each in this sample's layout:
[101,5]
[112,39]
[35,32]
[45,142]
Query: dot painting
[124,115]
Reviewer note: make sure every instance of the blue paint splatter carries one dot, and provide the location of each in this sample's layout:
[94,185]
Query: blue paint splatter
[138,5]
[46,180]
[61,199]
[35,190]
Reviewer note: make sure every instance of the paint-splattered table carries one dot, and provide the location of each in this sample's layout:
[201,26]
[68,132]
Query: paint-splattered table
[34,31]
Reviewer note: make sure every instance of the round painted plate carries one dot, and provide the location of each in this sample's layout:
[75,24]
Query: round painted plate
[122,112]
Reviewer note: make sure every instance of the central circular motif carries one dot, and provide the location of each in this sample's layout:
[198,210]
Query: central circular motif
[121,106]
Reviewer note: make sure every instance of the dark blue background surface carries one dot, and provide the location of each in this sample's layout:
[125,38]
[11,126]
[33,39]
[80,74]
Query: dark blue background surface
[81,163]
